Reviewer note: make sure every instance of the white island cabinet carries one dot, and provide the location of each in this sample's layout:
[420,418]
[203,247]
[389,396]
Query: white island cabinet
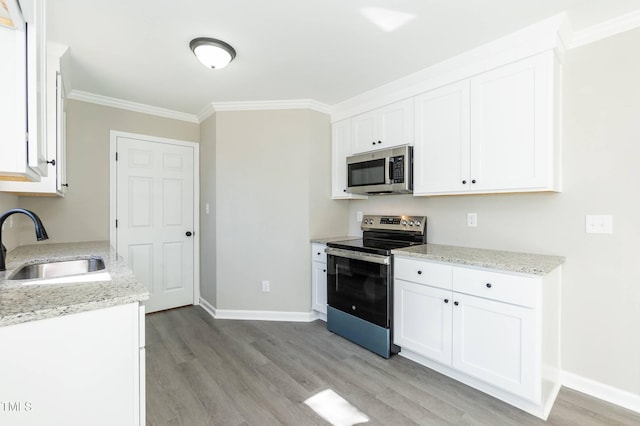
[80,369]
[493,330]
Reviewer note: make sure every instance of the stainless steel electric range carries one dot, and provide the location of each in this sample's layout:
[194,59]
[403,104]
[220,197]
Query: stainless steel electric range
[360,280]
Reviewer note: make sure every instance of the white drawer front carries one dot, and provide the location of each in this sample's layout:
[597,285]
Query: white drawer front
[514,289]
[422,272]
[317,253]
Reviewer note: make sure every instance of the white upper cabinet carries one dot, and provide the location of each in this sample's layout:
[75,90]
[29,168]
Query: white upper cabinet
[55,182]
[386,127]
[512,122]
[22,83]
[441,151]
[493,132]
[340,150]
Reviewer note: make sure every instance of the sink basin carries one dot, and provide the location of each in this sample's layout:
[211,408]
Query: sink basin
[58,269]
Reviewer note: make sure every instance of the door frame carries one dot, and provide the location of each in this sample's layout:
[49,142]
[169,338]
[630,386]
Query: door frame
[114,134]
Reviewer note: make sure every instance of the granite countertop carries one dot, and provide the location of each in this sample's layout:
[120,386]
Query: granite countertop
[39,300]
[331,239]
[525,263]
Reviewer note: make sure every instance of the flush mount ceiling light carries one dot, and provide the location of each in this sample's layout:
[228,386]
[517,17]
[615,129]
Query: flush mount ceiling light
[211,52]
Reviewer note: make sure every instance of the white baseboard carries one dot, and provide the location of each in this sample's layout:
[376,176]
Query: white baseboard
[601,391]
[258,315]
[207,307]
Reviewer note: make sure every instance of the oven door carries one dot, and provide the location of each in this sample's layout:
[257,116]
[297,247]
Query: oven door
[359,284]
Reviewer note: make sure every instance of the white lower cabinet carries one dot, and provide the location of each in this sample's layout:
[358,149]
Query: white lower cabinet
[423,320]
[497,332]
[495,342]
[79,369]
[319,278]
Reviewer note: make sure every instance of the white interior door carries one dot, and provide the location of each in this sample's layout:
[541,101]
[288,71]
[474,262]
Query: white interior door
[155,217]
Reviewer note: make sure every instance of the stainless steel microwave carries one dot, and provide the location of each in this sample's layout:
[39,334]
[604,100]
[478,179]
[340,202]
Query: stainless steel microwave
[388,171]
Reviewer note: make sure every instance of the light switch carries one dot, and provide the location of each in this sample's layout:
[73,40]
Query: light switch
[599,224]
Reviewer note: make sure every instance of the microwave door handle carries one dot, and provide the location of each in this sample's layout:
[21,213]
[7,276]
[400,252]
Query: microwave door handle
[389,171]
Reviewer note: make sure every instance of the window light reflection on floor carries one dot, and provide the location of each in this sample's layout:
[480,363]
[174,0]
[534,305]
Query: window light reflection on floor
[335,409]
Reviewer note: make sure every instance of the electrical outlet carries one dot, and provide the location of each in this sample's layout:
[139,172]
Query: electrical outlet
[599,224]
[359,216]
[266,286]
[472,220]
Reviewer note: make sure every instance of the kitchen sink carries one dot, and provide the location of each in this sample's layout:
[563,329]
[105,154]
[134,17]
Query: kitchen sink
[58,269]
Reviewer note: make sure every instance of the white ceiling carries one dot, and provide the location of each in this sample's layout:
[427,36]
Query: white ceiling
[325,50]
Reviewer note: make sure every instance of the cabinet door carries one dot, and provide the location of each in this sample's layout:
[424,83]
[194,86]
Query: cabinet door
[441,150]
[396,124]
[422,320]
[89,359]
[319,286]
[512,126]
[495,342]
[34,13]
[340,150]
[386,127]
[52,184]
[365,134]
[13,102]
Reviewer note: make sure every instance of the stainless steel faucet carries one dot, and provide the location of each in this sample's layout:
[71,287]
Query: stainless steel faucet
[41,233]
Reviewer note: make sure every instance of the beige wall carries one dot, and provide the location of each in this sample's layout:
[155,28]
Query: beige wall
[601,174]
[272,179]
[9,234]
[208,221]
[83,214]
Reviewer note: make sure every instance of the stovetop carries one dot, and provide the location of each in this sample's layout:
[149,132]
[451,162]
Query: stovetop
[373,246]
[381,234]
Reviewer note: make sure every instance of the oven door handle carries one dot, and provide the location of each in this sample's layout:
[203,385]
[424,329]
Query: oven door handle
[356,255]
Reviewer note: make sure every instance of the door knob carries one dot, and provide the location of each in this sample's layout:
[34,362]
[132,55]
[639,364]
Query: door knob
[189,233]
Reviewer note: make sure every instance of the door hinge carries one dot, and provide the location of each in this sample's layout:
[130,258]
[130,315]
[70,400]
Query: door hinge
[116,156]
[116,223]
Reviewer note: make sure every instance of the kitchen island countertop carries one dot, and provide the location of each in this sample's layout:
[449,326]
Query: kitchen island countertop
[507,261]
[22,303]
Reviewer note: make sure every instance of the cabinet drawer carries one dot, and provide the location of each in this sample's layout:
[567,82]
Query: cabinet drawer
[514,289]
[317,253]
[421,272]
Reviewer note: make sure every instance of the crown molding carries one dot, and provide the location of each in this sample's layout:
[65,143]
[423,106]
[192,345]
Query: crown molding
[269,105]
[79,95]
[605,29]
[206,112]
[214,107]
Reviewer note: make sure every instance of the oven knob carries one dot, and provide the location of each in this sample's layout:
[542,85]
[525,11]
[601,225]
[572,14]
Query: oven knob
[410,223]
[404,223]
[417,223]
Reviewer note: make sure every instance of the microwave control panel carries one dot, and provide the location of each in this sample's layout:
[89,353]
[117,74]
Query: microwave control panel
[396,164]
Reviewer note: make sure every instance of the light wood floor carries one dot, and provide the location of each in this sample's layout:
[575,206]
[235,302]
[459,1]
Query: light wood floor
[202,371]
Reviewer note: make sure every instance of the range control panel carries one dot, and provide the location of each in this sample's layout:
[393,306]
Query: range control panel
[394,223]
